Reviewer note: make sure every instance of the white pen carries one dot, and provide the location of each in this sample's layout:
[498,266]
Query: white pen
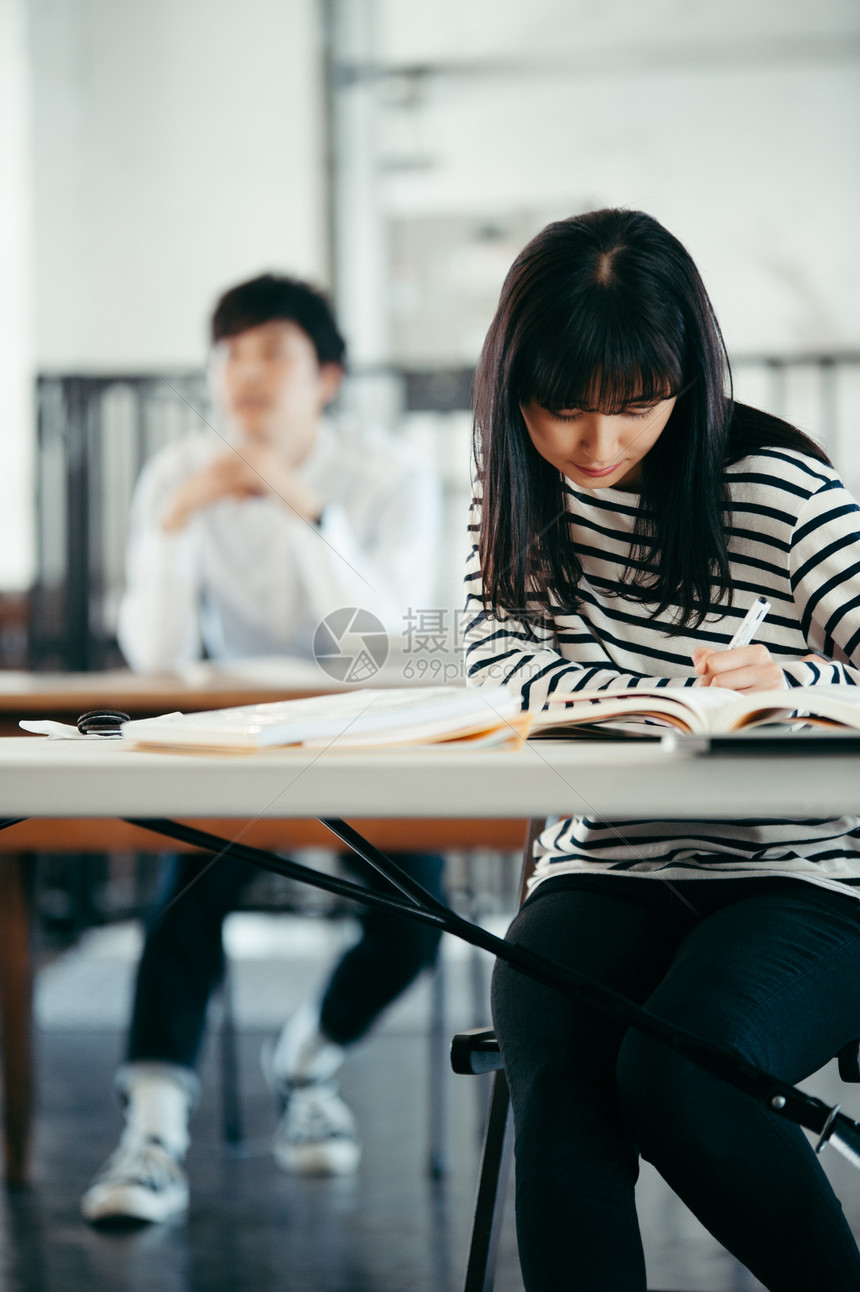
[753,618]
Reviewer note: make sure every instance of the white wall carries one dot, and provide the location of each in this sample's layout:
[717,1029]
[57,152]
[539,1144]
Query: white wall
[177,149]
[736,124]
[16,332]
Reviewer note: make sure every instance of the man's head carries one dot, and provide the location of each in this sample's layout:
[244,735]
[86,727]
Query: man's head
[279,360]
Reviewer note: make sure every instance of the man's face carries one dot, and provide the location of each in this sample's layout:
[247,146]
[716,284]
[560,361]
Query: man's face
[273,386]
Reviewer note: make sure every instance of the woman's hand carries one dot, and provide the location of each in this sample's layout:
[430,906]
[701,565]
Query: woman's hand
[747,668]
[816,659]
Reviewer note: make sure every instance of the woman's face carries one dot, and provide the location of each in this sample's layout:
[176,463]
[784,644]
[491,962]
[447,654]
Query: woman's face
[598,450]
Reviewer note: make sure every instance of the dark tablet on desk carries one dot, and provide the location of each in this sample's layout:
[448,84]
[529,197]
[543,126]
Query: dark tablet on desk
[781,741]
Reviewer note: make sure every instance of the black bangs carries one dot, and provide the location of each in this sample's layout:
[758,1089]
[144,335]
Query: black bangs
[601,362]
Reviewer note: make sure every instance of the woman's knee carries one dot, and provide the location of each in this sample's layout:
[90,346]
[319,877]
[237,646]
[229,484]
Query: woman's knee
[654,1091]
[526,1015]
[647,1072]
[667,1099]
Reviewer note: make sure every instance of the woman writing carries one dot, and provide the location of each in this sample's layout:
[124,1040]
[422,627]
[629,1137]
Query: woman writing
[628,514]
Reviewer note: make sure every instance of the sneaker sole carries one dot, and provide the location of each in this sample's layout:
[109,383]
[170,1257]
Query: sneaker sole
[134,1203]
[331,1158]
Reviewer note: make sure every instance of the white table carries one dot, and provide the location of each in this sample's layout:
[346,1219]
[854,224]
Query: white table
[616,780]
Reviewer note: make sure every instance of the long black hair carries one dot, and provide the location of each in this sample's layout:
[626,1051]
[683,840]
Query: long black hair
[602,311]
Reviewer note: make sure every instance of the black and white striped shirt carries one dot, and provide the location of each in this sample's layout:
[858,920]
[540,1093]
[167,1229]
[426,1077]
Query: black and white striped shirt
[794,535]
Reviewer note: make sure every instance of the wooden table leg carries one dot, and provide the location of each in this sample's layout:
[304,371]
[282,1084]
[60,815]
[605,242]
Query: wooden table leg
[16,1012]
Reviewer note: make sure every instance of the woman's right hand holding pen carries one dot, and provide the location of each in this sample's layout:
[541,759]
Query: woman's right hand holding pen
[742,666]
[745,668]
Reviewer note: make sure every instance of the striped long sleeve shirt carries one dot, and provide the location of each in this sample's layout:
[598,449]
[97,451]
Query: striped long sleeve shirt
[794,536]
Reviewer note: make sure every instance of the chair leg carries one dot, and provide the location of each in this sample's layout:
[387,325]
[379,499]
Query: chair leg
[231,1109]
[492,1186]
[498,1144]
[480,1002]
[438,1157]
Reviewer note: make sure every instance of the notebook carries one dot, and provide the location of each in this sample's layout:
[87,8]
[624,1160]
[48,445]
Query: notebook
[365,718]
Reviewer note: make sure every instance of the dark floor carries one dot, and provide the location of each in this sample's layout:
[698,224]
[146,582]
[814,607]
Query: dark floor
[250,1226]
[253,1228]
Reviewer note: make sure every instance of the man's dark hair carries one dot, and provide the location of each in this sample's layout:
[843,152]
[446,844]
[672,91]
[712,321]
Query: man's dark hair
[275,296]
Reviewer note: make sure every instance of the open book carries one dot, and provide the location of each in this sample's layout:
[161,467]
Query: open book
[382,717]
[696,710]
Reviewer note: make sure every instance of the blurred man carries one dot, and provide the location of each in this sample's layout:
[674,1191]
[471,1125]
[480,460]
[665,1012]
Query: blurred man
[240,545]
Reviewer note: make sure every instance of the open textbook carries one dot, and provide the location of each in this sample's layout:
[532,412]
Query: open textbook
[382,717]
[707,710]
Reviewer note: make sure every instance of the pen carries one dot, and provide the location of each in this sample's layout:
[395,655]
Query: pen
[752,619]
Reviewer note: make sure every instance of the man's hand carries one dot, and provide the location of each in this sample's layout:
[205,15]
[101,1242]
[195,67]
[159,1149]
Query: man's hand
[747,668]
[252,471]
[279,480]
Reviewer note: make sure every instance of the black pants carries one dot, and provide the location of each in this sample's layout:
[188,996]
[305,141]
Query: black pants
[183,957]
[769,968]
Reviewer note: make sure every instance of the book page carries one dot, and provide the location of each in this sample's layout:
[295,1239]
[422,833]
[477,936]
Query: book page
[828,703]
[701,699]
[708,708]
[685,709]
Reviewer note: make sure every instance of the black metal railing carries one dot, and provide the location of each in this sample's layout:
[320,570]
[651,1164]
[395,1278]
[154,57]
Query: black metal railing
[94,434]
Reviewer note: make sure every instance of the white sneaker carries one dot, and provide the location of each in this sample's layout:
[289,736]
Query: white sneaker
[316,1133]
[301,1052]
[141,1180]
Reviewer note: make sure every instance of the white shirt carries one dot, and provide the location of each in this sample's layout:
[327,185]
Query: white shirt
[251,578]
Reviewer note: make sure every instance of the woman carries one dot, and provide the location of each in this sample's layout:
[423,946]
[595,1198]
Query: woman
[628,514]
